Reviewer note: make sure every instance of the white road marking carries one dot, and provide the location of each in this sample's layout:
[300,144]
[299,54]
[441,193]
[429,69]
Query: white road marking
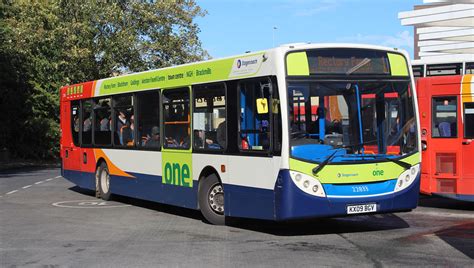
[88,204]
[36,183]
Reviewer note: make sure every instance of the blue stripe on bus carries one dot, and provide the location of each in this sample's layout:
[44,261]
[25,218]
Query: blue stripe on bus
[146,187]
[360,189]
[285,202]
[82,179]
[249,202]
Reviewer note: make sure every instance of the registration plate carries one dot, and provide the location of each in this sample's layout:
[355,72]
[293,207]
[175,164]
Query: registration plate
[363,208]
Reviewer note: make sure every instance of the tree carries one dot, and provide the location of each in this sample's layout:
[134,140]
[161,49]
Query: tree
[47,44]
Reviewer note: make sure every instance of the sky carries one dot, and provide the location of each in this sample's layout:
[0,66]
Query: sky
[233,27]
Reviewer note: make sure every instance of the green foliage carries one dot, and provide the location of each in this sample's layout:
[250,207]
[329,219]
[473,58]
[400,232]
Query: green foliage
[48,44]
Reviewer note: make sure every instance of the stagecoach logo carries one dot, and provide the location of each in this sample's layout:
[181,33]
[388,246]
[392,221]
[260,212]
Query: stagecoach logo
[246,66]
[346,175]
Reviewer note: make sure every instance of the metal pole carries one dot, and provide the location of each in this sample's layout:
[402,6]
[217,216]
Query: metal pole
[273,36]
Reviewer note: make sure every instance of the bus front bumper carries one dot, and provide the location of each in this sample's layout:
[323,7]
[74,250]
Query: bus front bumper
[292,203]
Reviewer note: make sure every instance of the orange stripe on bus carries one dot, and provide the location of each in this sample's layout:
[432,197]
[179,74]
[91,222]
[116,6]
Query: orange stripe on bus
[467,88]
[113,169]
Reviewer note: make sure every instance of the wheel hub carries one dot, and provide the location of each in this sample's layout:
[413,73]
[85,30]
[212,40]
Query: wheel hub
[216,199]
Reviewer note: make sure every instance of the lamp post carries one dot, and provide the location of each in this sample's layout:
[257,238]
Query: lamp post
[273,36]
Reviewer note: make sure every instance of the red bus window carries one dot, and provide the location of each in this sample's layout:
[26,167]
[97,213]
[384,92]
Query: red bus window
[444,124]
[469,120]
[75,122]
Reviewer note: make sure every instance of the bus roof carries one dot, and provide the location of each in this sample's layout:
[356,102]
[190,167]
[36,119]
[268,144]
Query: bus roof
[253,64]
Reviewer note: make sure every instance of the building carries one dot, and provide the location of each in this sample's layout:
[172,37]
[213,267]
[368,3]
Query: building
[444,30]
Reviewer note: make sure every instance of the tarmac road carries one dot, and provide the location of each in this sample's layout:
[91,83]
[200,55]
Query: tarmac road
[46,221]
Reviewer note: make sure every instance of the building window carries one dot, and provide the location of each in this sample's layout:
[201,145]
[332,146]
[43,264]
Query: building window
[469,120]
[444,124]
[176,118]
[86,122]
[209,117]
[102,122]
[148,115]
[75,122]
[254,123]
[124,125]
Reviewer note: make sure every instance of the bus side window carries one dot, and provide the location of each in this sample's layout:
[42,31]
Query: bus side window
[176,118]
[469,120]
[148,113]
[75,122]
[255,127]
[444,122]
[209,117]
[123,121]
[86,120]
[102,117]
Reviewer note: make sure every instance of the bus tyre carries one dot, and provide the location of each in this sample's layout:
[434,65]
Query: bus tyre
[211,199]
[104,181]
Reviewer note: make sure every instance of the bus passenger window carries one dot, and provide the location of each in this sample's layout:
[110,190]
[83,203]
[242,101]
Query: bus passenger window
[124,121]
[469,120]
[209,117]
[176,118]
[102,112]
[86,122]
[75,122]
[444,124]
[149,119]
[254,126]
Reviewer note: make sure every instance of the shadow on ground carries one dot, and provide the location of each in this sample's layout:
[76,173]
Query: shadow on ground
[460,237]
[366,223]
[440,202]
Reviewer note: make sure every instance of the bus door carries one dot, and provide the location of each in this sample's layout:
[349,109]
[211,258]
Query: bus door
[444,146]
[467,135]
[70,151]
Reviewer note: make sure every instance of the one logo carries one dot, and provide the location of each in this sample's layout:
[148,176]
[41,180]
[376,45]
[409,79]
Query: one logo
[177,174]
[239,63]
[338,175]
[377,172]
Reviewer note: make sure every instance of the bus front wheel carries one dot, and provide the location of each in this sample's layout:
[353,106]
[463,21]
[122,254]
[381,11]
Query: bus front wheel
[103,181]
[211,199]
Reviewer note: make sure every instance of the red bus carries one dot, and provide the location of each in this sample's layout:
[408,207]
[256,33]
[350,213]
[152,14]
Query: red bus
[446,105]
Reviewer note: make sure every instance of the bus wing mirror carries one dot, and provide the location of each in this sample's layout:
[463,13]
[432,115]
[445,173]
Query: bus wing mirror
[262,106]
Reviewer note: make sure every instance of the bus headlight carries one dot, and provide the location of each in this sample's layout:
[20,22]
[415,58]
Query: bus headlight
[407,178]
[307,184]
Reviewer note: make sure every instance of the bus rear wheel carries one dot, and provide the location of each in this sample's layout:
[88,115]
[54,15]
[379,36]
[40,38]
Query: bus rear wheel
[211,199]
[103,181]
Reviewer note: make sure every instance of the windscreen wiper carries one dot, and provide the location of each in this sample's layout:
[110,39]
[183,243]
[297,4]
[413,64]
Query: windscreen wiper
[398,162]
[324,163]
